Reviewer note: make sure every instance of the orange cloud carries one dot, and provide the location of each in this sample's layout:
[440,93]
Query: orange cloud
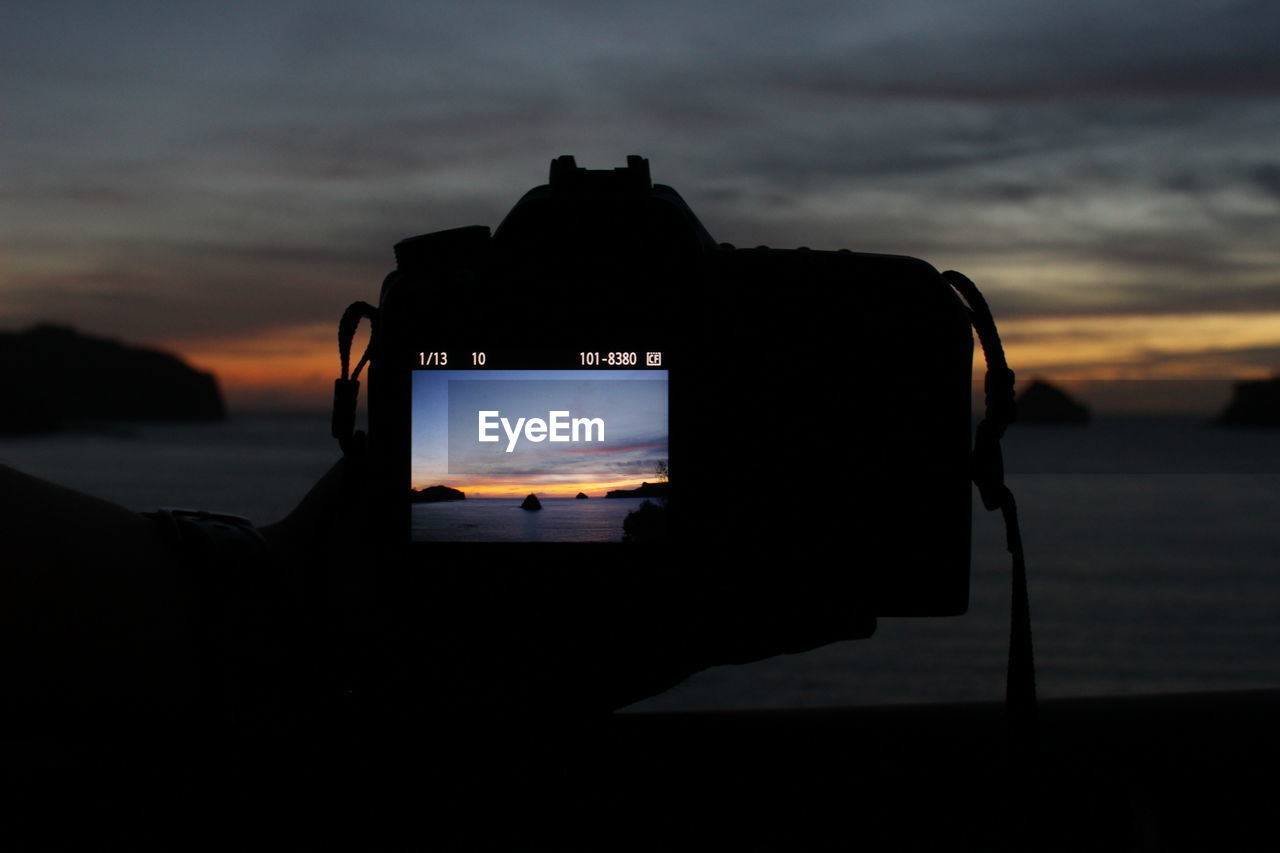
[1178,346]
[294,367]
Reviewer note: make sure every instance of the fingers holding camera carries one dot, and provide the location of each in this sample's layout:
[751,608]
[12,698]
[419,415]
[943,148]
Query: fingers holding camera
[486,633]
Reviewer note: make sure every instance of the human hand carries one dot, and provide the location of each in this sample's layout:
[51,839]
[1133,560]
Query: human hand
[491,638]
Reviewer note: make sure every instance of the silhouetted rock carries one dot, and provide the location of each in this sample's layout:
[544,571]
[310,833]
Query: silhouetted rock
[53,375]
[582,496]
[649,522]
[644,490]
[1042,403]
[23,411]
[433,494]
[1253,403]
[531,502]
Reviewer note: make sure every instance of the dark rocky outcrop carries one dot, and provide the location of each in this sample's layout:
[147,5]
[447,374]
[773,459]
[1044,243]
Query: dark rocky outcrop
[1042,403]
[645,490]
[52,376]
[531,502]
[582,496]
[1254,403]
[650,522]
[434,494]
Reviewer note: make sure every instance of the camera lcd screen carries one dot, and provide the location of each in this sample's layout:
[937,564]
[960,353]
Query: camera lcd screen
[539,447]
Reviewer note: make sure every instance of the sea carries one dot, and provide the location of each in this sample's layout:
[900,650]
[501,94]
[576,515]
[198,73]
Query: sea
[503,520]
[1153,555]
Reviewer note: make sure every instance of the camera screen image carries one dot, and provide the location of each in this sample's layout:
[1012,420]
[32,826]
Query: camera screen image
[539,455]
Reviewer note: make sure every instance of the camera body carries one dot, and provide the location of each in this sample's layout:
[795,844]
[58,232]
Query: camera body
[789,414]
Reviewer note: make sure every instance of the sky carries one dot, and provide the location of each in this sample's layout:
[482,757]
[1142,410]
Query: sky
[621,452]
[222,179]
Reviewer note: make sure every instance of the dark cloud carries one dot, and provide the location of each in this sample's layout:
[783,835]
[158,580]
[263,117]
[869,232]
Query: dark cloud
[1267,178]
[1006,52]
[1189,182]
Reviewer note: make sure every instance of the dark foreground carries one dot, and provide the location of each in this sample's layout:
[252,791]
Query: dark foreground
[1164,772]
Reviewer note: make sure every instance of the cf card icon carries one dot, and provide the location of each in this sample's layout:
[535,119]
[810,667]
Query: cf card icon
[653,359]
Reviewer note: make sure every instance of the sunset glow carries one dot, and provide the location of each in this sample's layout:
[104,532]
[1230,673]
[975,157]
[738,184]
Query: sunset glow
[294,367]
[499,489]
[1191,346]
[291,367]
[1117,208]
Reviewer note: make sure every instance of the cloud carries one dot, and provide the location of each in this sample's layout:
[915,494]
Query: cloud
[189,174]
[1266,177]
[1002,52]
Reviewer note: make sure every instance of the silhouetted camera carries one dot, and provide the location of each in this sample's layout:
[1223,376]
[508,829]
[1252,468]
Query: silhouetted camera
[599,386]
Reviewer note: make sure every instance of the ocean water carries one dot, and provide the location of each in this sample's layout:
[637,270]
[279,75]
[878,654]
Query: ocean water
[256,466]
[502,520]
[1153,552]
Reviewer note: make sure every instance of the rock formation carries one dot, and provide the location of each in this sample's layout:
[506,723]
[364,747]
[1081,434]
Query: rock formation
[432,494]
[531,502]
[53,376]
[644,490]
[1253,403]
[1042,403]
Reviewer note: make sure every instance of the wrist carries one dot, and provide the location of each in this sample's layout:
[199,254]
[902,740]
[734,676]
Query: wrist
[243,604]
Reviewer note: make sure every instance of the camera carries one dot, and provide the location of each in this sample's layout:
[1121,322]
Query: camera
[597,385]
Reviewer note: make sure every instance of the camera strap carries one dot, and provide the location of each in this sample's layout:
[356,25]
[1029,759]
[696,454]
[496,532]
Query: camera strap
[988,476]
[346,388]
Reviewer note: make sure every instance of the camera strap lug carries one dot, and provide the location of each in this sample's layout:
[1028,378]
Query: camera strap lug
[346,388]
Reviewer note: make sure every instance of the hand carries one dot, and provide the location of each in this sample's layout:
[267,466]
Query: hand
[497,638]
